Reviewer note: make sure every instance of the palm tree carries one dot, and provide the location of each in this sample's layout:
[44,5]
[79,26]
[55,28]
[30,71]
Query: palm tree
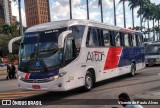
[133,4]
[158,19]
[114,5]
[142,4]
[148,12]
[124,13]
[20,18]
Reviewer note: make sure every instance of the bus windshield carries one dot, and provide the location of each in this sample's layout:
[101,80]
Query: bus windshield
[40,50]
[152,49]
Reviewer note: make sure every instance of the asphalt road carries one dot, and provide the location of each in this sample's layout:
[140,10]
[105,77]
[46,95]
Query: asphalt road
[145,85]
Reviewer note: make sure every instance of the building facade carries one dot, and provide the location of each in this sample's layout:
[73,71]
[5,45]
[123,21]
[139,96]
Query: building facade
[10,11]
[13,20]
[5,12]
[37,12]
[2,20]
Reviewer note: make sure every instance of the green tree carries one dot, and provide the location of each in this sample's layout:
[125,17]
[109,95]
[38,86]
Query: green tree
[133,4]
[11,30]
[158,19]
[4,40]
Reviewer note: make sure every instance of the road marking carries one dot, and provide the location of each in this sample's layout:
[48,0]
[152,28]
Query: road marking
[156,93]
[19,94]
[158,73]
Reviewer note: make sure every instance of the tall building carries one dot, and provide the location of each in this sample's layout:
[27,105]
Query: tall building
[13,20]
[37,11]
[10,10]
[5,12]
[2,19]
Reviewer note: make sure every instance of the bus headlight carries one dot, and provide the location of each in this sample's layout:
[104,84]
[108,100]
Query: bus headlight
[59,75]
[62,74]
[56,77]
[20,78]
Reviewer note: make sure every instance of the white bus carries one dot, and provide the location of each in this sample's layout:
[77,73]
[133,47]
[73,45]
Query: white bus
[63,55]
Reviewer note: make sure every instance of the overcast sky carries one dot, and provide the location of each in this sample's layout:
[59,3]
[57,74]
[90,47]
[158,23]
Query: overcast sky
[60,11]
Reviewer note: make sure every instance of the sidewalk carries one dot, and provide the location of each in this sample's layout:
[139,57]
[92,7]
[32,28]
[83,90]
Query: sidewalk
[3,74]
[3,71]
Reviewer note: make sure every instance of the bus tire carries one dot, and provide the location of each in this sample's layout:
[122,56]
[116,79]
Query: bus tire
[133,70]
[147,65]
[88,81]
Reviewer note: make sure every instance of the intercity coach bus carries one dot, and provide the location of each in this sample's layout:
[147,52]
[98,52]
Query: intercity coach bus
[63,55]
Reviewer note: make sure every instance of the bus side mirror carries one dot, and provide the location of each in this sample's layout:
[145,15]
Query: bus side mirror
[62,37]
[10,44]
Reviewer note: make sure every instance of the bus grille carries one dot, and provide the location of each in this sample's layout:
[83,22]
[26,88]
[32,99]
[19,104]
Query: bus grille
[36,80]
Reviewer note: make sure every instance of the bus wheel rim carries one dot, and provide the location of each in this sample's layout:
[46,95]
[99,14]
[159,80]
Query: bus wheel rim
[88,82]
[133,71]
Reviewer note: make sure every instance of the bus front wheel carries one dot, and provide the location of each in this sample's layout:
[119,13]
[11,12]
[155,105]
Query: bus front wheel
[133,70]
[88,81]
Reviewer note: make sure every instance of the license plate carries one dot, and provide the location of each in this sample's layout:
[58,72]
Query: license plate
[36,86]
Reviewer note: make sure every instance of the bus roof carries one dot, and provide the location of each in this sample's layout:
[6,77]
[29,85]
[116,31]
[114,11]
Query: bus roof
[67,23]
[154,43]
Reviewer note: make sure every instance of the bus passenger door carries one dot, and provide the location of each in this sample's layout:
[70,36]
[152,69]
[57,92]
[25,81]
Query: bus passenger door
[72,65]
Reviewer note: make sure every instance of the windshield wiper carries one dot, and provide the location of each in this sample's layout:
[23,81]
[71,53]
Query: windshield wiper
[49,50]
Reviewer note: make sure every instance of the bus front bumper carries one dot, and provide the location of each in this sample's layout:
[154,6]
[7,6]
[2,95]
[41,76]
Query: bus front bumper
[55,85]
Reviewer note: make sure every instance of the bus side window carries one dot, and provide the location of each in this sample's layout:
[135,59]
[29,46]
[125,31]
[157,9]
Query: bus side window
[92,38]
[106,38]
[126,39]
[134,40]
[141,38]
[138,40]
[130,39]
[77,32]
[70,49]
[117,39]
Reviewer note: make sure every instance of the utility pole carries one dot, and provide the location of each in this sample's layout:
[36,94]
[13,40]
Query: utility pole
[114,5]
[158,30]
[148,30]
[20,18]
[124,13]
[87,10]
[70,4]
[100,3]
[133,17]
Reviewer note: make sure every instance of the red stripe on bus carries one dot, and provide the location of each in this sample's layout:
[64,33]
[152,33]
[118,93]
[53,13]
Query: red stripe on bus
[113,57]
[27,76]
[68,81]
[127,30]
[97,52]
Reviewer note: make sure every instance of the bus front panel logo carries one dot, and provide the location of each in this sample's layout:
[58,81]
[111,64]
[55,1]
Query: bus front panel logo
[37,64]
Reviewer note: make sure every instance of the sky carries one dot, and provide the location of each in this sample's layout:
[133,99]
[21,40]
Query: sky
[60,11]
